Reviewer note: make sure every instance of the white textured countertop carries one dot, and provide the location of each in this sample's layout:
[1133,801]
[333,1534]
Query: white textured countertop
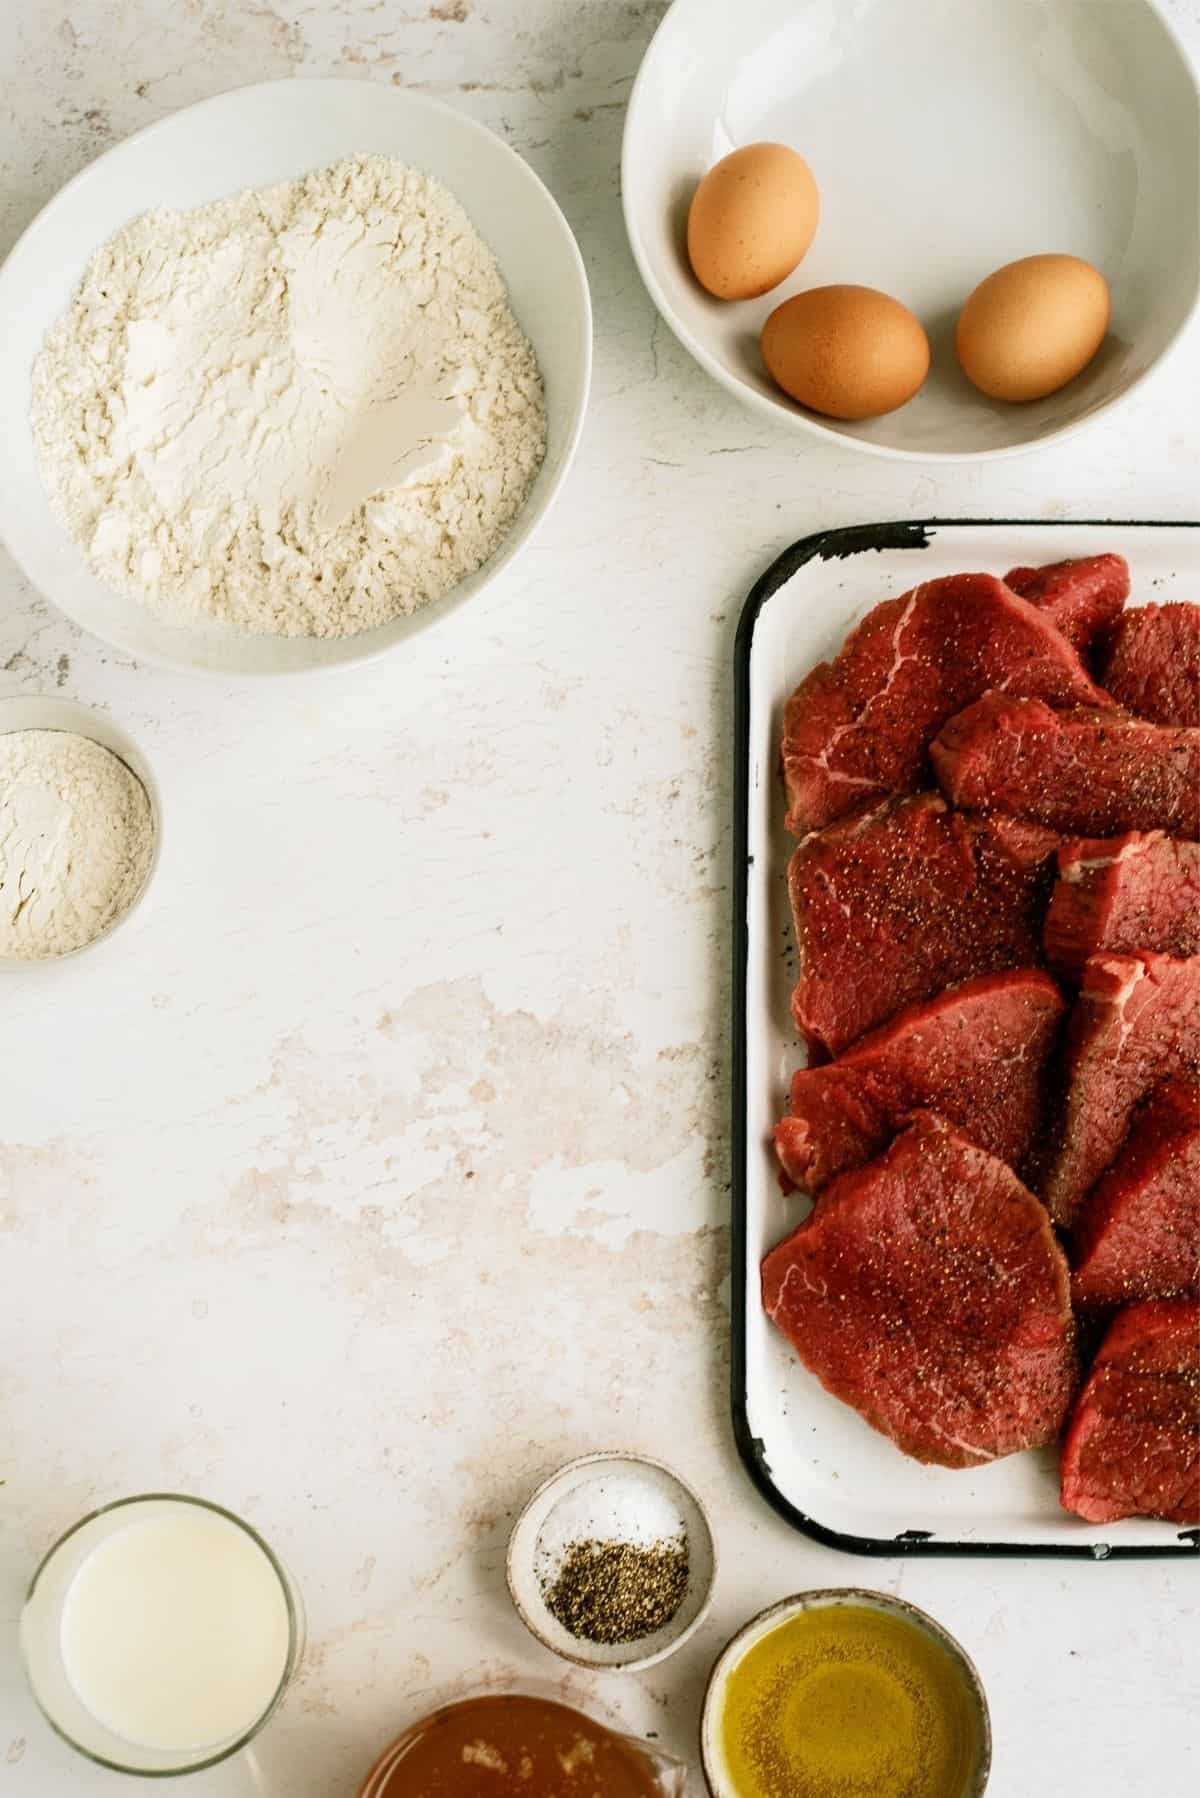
[386,1166]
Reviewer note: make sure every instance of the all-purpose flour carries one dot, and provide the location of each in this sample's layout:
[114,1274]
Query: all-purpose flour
[76,840]
[303,410]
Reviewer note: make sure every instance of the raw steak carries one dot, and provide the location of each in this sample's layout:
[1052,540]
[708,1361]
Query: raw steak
[860,726]
[1153,667]
[975,1054]
[1084,597]
[1091,772]
[901,901]
[1117,895]
[1136,1022]
[1137,1235]
[1133,1445]
[927,1290]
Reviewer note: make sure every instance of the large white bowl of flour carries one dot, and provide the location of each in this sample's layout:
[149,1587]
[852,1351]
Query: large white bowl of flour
[255,139]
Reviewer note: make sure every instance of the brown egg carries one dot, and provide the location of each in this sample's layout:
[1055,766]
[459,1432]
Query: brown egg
[1032,326]
[751,220]
[850,352]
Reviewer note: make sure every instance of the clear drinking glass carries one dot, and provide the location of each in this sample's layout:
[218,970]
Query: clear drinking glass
[42,1640]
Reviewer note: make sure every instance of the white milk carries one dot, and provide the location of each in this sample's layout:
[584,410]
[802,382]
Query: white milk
[175,1631]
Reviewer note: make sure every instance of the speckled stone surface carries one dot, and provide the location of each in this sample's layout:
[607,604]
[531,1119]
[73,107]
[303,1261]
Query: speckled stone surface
[385,1166]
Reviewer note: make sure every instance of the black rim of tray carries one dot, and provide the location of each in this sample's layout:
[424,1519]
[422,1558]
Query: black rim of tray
[839,545]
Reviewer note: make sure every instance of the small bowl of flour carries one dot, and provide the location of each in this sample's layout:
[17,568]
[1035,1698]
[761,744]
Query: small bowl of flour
[79,830]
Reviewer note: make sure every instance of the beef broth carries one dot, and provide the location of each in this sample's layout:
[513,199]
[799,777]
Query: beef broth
[510,1746]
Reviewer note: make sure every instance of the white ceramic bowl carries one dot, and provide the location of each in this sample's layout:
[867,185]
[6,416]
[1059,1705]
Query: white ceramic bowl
[33,713]
[249,138]
[641,1489]
[947,139]
[712,1757]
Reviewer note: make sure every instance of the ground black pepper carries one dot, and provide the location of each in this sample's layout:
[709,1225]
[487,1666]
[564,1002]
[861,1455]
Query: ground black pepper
[613,1592]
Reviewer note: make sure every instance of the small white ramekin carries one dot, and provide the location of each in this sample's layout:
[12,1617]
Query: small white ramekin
[644,1481]
[38,712]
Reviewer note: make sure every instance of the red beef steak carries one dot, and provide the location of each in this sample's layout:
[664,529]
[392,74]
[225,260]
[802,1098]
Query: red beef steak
[1153,665]
[1136,1023]
[903,900]
[975,1054]
[1133,1445]
[1137,1235]
[1090,772]
[1117,895]
[860,726]
[1083,597]
[928,1291]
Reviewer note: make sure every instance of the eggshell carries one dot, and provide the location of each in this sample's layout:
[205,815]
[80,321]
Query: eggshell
[751,220]
[1032,326]
[849,352]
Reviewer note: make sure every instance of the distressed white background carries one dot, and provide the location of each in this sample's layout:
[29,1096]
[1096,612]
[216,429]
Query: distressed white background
[386,1166]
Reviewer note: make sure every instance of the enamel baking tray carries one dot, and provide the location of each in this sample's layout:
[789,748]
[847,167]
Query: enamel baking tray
[813,1458]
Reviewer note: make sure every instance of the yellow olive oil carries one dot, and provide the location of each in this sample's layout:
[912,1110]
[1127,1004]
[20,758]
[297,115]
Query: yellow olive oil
[847,1701]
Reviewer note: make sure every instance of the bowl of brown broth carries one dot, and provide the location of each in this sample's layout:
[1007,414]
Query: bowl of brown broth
[845,1694]
[518,1745]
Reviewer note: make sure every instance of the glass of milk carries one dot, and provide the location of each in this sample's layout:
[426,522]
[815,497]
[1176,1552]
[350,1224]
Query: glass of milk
[160,1634]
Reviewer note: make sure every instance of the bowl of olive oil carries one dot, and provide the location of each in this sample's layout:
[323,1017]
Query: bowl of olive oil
[845,1694]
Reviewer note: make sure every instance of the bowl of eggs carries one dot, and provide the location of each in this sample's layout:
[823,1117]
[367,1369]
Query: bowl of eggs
[929,231]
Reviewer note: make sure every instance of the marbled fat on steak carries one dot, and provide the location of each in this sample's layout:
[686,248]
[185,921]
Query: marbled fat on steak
[1133,1444]
[1153,665]
[1083,598]
[928,1291]
[1136,1023]
[1137,1235]
[1092,773]
[976,1055]
[895,904]
[860,726]
[1118,895]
